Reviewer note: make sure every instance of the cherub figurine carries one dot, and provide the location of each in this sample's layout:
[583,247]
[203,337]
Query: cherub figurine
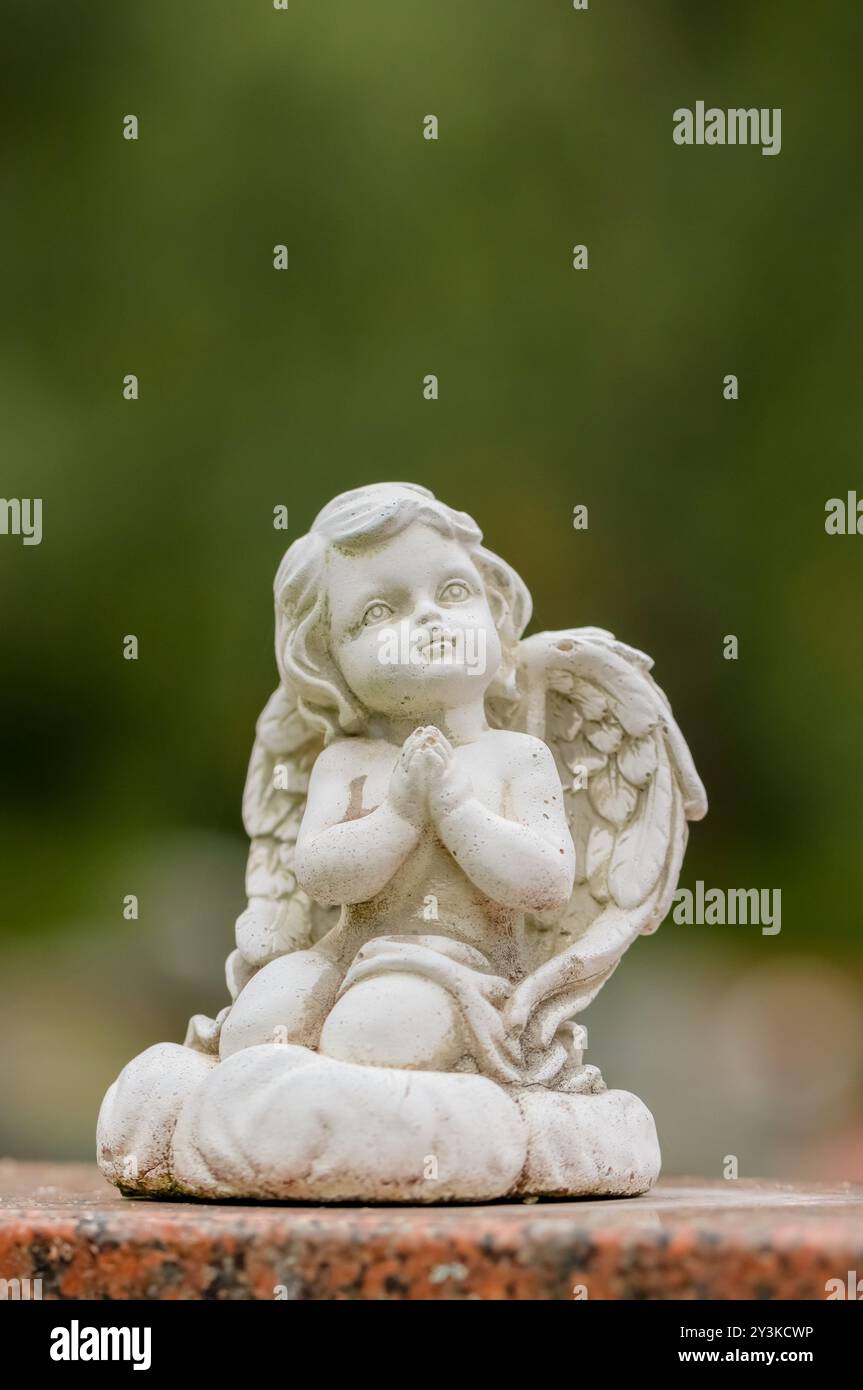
[456,833]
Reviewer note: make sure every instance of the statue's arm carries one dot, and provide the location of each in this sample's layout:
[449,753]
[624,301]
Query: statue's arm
[346,853]
[525,859]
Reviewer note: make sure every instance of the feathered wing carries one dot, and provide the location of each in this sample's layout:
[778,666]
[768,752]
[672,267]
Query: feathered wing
[279,917]
[630,787]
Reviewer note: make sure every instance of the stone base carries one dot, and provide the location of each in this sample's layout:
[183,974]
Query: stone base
[282,1123]
[687,1239]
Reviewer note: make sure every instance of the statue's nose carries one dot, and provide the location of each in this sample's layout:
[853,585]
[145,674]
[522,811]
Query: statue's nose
[429,615]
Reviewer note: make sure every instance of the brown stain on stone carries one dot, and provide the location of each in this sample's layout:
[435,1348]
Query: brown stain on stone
[356,810]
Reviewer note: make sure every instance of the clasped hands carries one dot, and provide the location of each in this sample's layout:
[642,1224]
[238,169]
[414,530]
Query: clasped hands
[427,782]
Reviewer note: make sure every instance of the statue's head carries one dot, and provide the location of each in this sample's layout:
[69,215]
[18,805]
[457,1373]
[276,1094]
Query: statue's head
[391,605]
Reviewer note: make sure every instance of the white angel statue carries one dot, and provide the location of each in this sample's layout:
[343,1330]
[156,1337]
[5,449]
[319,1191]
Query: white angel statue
[455,835]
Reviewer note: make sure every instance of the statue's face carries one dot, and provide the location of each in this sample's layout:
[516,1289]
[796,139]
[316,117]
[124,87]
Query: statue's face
[411,628]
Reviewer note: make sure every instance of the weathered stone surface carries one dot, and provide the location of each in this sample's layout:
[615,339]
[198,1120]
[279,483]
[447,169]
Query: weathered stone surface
[686,1239]
[284,1122]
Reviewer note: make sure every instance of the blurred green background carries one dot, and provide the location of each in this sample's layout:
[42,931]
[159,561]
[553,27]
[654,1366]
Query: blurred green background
[557,387]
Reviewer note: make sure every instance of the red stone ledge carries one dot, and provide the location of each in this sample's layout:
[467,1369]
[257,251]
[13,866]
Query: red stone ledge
[688,1239]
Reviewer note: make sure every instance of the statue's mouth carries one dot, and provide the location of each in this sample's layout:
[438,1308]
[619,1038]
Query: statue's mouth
[439,644]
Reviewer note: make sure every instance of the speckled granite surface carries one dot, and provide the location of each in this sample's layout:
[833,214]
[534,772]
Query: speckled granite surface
[687,1239]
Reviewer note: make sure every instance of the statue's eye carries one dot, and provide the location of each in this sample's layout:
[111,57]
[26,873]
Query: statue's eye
[375,613]
[455,592]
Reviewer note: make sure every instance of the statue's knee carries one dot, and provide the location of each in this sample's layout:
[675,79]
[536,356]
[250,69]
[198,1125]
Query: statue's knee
[285,1002]
[395,1020]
